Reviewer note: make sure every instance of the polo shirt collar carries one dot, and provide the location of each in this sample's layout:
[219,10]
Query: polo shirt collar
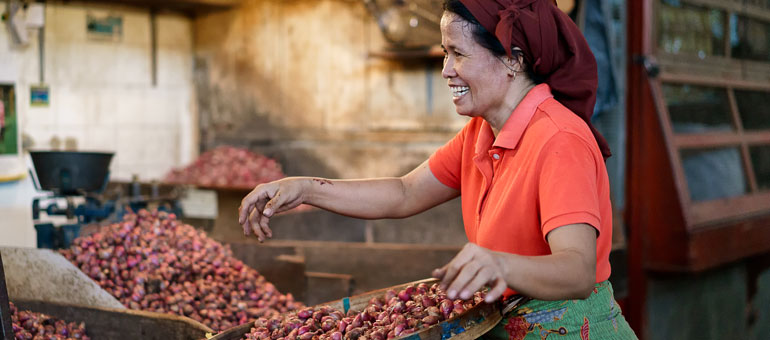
[514,127]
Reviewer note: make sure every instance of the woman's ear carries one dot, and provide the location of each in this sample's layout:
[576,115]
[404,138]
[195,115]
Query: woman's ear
[510,64]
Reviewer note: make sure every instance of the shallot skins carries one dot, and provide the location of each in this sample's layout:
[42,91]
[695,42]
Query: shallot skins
[37,326]
[395,314]
[151,261]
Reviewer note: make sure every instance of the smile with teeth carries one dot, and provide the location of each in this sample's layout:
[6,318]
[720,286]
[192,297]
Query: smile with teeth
[459,91]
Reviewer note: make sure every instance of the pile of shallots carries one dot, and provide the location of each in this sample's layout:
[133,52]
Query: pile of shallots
[229,167]
[30,325]
[153,262]
[393,315]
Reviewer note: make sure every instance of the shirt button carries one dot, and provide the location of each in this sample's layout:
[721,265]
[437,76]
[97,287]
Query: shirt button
[496,156]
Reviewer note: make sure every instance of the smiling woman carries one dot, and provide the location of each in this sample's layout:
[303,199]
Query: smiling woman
[529,168]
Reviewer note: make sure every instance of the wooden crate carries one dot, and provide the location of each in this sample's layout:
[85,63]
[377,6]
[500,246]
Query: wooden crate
[470,325]
[122,324]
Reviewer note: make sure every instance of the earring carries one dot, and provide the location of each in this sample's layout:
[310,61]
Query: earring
[514,75]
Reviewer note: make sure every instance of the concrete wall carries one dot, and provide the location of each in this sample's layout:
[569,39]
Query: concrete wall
[294,79]
[101,92]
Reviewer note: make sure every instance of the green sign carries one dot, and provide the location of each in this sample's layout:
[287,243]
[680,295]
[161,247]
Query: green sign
[104,27]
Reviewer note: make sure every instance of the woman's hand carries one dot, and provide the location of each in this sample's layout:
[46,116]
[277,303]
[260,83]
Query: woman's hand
[569,272]
[266,200]
[472,268]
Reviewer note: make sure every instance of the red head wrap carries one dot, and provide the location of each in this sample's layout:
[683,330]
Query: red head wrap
[553,46]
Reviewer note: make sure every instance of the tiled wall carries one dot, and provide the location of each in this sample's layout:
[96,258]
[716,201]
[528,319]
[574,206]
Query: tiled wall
[101,92]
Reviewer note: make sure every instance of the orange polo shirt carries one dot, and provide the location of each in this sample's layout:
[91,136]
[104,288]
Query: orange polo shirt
[544,170]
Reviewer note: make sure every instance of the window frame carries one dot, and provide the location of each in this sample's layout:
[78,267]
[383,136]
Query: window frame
[730,74]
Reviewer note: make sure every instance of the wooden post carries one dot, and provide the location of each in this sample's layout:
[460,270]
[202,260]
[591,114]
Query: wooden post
[5,308]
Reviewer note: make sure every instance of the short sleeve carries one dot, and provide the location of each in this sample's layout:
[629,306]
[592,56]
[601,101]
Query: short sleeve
[568,189]
[446,162]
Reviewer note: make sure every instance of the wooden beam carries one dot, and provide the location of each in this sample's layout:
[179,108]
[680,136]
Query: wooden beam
[721,72]
[164,3]
[704,214]
[718,139]
[190,7]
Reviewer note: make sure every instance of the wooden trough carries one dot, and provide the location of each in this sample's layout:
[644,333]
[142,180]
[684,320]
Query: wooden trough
[470,325]
[121,324]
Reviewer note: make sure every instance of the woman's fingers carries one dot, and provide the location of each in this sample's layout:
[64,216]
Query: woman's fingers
[274,204]
[247,226]
[497,290]
[439,272]
[464,276]
[244,211]
[263,224]
[253,222]
[472,269]
[452,269]
[482,277]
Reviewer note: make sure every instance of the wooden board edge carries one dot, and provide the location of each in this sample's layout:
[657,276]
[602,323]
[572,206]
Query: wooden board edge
[192,323]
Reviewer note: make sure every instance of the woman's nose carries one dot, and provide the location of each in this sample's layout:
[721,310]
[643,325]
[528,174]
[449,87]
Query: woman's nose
[448,70]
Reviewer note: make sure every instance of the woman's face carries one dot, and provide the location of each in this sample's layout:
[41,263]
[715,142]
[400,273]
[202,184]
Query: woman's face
[477,78]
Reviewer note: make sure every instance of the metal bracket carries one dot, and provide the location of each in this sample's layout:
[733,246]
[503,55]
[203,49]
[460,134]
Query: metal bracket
[649,63]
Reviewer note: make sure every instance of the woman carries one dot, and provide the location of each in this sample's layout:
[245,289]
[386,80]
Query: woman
[529,168]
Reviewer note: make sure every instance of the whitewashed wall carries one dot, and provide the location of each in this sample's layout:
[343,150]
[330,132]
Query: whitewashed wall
[101,91]
[102,97]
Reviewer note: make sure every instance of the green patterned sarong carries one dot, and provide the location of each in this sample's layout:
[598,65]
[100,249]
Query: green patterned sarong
[597,317]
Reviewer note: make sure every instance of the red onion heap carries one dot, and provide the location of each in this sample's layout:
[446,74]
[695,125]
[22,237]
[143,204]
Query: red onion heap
[151,261]
[30,325]
[227,166]
[392,315]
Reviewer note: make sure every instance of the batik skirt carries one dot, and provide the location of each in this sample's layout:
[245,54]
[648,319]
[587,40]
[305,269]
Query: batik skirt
[597,317]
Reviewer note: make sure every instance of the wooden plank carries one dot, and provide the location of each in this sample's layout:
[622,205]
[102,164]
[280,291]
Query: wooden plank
[741,7]
[121,324]
[718,245]
[665,135]
[718,139]
[321,287]
[363,261]
[733,242]
[748,168]
[279,264]
[640,126]
[705,214]
[366,261]
[184,5]
[681,76]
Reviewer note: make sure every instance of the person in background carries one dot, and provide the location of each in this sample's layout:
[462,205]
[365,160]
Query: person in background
[529,168]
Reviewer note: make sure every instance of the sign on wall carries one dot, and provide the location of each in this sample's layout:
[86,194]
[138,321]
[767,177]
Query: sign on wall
[104,26]
[39,95]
